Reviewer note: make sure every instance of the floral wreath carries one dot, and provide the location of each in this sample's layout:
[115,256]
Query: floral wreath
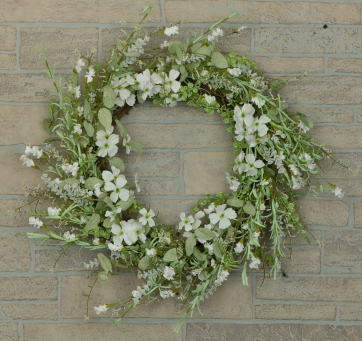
[94,205]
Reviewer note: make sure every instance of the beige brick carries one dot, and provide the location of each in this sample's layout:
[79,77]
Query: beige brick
[350,313]
[289,64]
[271,332]
[14,174]
[27,87]
[7,38]
[220,305]
[324,212]
[59,45]
[359,115]
[357,208]
[338,136]
[311,289]
[303,261]
[152,164]
[297,239]
[98,331]
[168,210]
[326,115]
[73,260]
[25,311]
[307,40]
[352,65]
[351,188]
[15,251]
[350,160]
[263,12]
[9,331]
[28,288]
[324,90]
[204,172]
[22,124]
[179,136]
[70,11]
[295,312]
[159,187]
[7,61]
[342,252]
[237,42]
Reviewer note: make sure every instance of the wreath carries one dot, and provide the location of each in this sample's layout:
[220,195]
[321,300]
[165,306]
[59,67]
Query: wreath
[95,206]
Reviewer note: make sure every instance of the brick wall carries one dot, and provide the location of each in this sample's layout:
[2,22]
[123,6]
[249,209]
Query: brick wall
[186,152]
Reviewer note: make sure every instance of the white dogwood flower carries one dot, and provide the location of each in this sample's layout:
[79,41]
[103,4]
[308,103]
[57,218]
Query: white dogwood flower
[107,142]
[147,217]
[239,165]
[117,189]
[170,81]
[186,222]
[259,125]
[252,165]
[244,114]
[259,102]
[222,216]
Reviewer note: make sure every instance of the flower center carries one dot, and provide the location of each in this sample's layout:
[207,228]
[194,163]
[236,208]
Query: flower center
[222,215]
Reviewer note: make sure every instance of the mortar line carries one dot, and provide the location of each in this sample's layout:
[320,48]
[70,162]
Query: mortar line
[163,13]
[21,330]
[17,50]
[59,316]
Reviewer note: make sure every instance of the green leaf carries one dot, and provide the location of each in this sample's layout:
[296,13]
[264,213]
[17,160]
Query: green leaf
[83,141]
[174,48]
[103,277]
[249,208]
[47,124]
[52,139]
[117,162]
[275,86]
[204,233]
[172,255]
[125,204]
[219,60]
[88,128]
[92,222]
[130,54]
[135,146]
[107,223]
[217,249]
[203,50]
[121,44]
[108,97]
[105,118]
[53,109]
[121,129]
[144,263]
[87,109]
[69,181]
[198,254]
[109,202]
[307,121]
[235,202]
[189,245]
[105,262]
[91,182]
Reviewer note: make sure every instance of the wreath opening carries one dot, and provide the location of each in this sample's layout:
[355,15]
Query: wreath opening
[94,205]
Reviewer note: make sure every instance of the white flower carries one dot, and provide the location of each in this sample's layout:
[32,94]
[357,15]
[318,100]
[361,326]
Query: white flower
[167,293]
[197,221]
[127,232]
[92,97]
[303,127]
[35,222]
[209,248]
[185,222]
[210,209]
[169,31]
[222,216]
[79,65]
[111,176]
[126,143]
[150,252]
[77,129]
[96,241]
[170,81]
[165,44]
[239,165]
[209,99]
[169,273]
[242,133]
[259,102]
[107,142]
[69,236]
[71,168]
[232,181]
[147,217]
[26,161]
[90,74]
[259,124]
[242,28]
[244,114]
[254,264]
[172,100]
[252,165]
[112,214]
[338,192]
[97,189]
[101,309]
[80,111]
[137,183]
[215,34]
[34,151]
[235,72]
[239,247]
[117,189]
[53,211]
[77,91]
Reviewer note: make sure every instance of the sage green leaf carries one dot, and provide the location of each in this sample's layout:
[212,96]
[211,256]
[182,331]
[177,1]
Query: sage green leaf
[204,233]
[109,202]
[69,181]
[117,162]
[92,222]
[91,182]
[217,249]
[109,97]
[87,109]
[125,204]
[105,262]
[283,105]
[139,97]
[136,147]
[198,254]
[130,53]
[249,208]
[121,44]
[175,49]
[105,118]
[275,86]
[107,223]
[144,263]
[172,255]
[121,129]
[307,121]
[53,109]
[83,141]
[235,202]
[219,60]
[52,139]
[103,277]
[47,124]
[203,50]
[203,275]
[88,128]
[189,245]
